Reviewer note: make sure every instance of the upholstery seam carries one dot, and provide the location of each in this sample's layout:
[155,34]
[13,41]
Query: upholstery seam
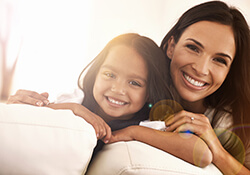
[134,167]
[45,126]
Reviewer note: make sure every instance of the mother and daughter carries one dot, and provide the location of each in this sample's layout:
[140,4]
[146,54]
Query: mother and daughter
[202,64]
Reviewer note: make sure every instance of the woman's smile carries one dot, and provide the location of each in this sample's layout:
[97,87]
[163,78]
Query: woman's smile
[198,84]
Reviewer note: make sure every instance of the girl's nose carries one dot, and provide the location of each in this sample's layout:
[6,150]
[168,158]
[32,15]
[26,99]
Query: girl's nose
[118,88]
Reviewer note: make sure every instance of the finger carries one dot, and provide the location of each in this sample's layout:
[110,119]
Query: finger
[32,94]
[20,99]
[46,95]
[103,131]
[178,123]
[96,127]
[186,128]
[108,136]
[173,118]
[168,121]
[29,97]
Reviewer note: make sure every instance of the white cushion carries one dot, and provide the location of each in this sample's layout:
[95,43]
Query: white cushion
[40,140]
[136,158]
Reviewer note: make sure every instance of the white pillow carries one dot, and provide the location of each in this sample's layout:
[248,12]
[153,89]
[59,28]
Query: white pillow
[40,140]
[137,158]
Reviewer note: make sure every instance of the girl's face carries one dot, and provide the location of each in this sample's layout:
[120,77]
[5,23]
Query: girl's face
[201,59]
[120,87]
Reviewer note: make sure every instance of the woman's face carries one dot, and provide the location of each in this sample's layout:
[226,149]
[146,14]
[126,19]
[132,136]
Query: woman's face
[201,59]
[120,88]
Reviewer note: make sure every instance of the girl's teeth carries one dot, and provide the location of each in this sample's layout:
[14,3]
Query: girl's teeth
[115,102]
[193,82]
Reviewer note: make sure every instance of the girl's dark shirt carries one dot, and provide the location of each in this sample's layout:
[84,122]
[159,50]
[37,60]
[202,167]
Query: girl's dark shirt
[116,125]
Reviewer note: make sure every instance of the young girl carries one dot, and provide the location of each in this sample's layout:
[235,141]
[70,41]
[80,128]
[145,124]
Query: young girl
[118,85]
[208,53]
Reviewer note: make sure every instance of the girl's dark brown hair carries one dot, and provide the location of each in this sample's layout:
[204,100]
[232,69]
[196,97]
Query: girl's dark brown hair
[235,91]
[153,56]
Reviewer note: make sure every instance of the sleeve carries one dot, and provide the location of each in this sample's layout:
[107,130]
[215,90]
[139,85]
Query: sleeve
[76,96]
[247,158]
[159,125]
[229,140]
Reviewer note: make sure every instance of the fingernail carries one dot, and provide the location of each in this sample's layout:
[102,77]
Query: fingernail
[97,135]
[46,102]
[106,141]
[39,103]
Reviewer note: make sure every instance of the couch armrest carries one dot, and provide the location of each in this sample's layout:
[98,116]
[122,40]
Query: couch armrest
[40,140]
[137,158]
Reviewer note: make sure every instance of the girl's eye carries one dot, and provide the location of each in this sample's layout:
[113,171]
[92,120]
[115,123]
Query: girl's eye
[193,48]
[134,83]
[221,60]
[108,74]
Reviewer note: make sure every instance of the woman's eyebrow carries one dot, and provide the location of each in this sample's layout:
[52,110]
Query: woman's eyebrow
[198,43]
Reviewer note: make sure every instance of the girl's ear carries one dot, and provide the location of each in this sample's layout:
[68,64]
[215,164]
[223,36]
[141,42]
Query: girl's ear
[171,46]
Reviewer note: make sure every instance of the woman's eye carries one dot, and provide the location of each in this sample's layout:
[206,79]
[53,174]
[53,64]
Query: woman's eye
[134,83]
[221,60]
[193,48]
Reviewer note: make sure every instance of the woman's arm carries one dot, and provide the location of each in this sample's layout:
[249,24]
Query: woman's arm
[185,146]
[29,97]
[201,126]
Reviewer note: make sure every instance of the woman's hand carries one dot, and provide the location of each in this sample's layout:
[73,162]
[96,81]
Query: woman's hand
[102,129]
[198,124]
[29,97]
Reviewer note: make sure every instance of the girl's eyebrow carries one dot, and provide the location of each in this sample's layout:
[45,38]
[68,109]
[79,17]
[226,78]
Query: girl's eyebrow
[199,44]
[114,69]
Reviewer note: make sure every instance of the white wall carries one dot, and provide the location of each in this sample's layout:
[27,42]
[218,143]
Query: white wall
[61,36]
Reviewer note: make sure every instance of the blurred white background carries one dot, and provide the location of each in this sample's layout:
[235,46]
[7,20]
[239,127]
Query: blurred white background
[59,37]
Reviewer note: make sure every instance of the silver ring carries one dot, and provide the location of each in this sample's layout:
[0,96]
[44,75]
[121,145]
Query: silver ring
[192,119]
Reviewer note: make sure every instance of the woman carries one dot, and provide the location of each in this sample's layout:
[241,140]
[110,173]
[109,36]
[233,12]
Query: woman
[208,52]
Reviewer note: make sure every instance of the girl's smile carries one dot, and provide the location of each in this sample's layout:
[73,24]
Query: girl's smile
[115,103]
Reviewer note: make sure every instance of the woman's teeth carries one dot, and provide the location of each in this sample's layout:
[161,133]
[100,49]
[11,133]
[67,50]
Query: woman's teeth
[193,82]
[115,102]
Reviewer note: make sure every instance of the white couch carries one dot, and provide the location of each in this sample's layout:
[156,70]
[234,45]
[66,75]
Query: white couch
[39,140]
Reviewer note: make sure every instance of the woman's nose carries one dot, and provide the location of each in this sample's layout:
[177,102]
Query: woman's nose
[201,66]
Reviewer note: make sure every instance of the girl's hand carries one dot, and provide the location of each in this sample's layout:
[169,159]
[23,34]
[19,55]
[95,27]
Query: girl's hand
[29,97]
[102,129]
[198,124]
[125,134]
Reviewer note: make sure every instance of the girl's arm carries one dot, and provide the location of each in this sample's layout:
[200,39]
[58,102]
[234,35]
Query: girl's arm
[201,126]
[102,129]
[185,146]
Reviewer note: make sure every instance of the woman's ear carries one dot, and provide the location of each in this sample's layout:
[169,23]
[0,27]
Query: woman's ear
[171,46]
